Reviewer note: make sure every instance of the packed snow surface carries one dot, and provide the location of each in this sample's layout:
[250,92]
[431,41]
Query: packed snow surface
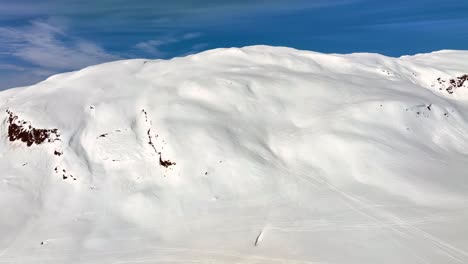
[252,155]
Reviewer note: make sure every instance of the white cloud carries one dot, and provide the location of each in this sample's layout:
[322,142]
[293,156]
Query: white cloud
[191,35]
[48,46]
[154,47]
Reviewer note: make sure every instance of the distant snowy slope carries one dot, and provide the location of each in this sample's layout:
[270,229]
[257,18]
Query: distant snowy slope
[243,155]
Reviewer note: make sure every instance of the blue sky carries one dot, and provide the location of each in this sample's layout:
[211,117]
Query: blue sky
[39,38]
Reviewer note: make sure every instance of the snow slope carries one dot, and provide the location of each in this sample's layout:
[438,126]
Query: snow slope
[281,156]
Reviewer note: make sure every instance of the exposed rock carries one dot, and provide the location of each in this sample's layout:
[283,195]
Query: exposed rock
[20,130]
[452,84]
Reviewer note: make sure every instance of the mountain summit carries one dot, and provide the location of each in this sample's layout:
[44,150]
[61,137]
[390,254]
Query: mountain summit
[242,155]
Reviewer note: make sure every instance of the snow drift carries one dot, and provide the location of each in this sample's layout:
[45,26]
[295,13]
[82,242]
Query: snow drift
[251,155]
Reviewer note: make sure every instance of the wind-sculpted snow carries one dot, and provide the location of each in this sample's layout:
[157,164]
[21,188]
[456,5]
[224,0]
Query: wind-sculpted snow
[251,155]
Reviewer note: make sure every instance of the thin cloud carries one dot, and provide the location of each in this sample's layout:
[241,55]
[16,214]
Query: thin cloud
[155,46]
[422,24]
[11,67]
[48,46]
[191,35]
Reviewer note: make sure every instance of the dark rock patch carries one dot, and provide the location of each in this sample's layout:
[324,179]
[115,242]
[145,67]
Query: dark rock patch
[165,163]
[20,130]
[452,84]
[146,114]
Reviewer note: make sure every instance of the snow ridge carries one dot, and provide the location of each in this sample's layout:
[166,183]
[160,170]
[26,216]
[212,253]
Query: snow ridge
[242,155]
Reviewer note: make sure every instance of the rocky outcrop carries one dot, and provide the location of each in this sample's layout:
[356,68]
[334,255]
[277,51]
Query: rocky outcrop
[20,130]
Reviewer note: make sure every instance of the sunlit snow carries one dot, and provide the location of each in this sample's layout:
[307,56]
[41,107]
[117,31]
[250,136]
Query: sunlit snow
[252,155]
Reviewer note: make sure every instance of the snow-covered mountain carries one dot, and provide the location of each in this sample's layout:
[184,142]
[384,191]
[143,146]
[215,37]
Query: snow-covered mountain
[252,155]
